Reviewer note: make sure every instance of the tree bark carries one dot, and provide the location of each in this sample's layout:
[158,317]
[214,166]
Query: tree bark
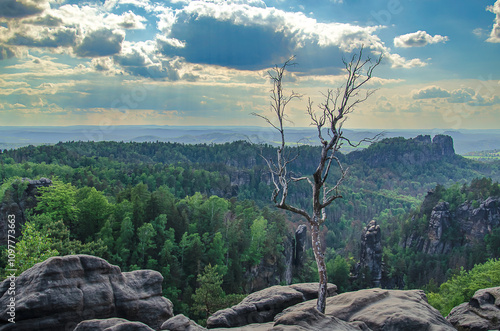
[320,261]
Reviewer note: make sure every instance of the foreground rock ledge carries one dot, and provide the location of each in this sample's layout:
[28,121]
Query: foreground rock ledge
[481,313]
[60,292]
[262,306]
[377,309]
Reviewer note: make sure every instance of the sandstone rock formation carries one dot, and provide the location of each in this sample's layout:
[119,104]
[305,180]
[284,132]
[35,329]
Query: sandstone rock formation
[111,324]
[60,292]
[181,323]
[381,310]
[18,203]
[481,313]
[371,252]
[268,272]
[264,305]
[300,245]
[449,228]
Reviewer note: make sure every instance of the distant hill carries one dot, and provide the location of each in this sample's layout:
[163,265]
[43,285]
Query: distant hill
[18,136]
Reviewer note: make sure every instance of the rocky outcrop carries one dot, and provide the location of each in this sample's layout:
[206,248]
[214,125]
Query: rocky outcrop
[17,203]
[371,252]
[300,245]
[406,152]
[279,269]
[475,223]
[264,305]
[481,313]
[450,228]
[60,292]
[181,323]
[111,324]
[379,309]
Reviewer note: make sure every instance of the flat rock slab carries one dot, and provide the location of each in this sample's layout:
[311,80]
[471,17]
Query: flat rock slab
[60,292]
[481,313]
[262,306]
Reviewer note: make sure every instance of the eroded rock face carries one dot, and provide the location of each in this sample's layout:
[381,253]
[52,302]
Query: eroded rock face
[449,228]
[481,313]
[371,251]
[60,292]
[382,310]
[264,305]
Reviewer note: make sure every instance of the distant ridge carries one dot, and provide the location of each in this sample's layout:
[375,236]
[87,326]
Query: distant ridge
[17,136]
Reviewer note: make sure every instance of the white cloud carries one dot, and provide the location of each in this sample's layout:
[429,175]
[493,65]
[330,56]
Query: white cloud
[495,32]
[418,39]
[397,61]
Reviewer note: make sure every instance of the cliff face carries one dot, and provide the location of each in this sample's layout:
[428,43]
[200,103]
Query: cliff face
[450,228]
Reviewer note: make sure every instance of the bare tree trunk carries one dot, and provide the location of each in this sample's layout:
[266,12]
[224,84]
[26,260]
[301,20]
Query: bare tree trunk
[331,116]
[320,261]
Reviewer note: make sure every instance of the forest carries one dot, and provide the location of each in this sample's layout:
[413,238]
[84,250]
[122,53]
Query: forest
[201,214]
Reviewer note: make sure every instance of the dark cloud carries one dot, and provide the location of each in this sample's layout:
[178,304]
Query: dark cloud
[17,9]
[102,42]
[210,41]
[5,53]
[160,71]
[132,59]
[57,38]
[47,20]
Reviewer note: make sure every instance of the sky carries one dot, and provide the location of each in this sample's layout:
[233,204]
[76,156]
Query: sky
[145,62]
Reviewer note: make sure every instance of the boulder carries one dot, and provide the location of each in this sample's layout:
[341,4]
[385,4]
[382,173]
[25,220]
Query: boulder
[264,305]
[111,324]
[181,323]
[482,312]
[60,292]
[381,310]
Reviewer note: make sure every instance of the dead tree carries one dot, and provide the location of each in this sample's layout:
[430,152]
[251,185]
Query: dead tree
[328,120]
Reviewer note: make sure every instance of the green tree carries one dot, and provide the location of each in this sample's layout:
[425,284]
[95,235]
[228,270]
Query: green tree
[33,247]
[59,202]
[258,233]
[124,243]
[93,211]
[209,296]
[145,233]
[461,287]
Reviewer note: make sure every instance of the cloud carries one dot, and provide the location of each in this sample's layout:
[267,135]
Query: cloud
[239,35]
[21,8]
[430,92]
[102,42]
[397,61]
[495,32]
[5,53]
[44,37]
[418,39]
[462,95]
